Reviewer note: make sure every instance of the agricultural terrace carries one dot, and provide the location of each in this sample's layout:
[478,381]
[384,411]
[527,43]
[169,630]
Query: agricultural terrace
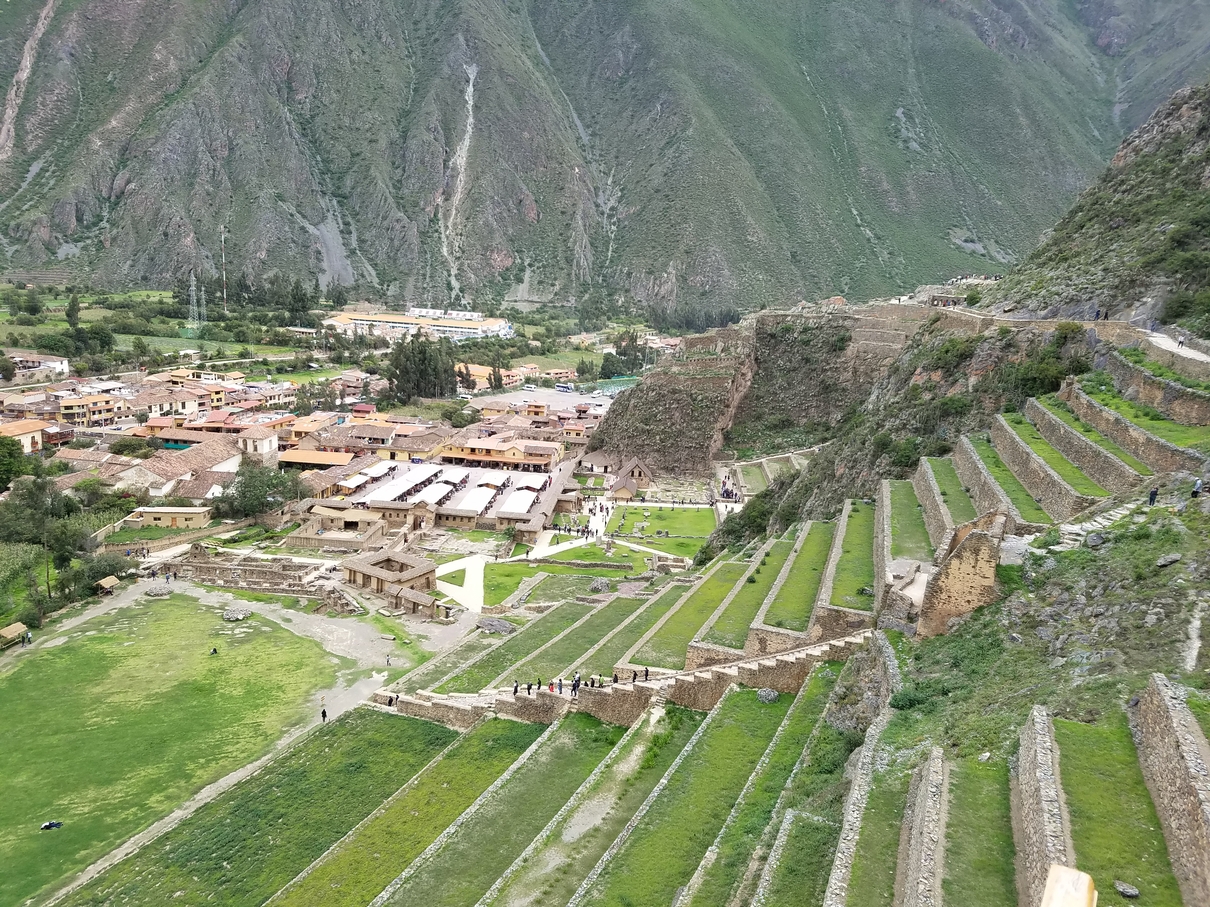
[909,536]
[754,478]
[1020,497]
[489,841]
[731,628]
[872,882]
[1063,413]
[855,568]
[957,501]
[627,558]
[1066,470]
[670,840]
[137,689]
[979,848]
[502,580]
[221,850]
[613,650]
[688,527]
[667,648]
[477,675]
[555,659]
[451,662]
[791,609]
[1099,387]
[362,865]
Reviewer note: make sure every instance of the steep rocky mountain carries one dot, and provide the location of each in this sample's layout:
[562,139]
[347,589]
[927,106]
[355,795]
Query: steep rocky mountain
[1139,236]
[689,154]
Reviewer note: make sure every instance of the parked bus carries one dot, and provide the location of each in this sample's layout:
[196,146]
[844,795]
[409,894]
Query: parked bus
[566,387]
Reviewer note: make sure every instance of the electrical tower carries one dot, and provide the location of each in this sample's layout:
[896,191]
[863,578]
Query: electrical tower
[223,240]
[194,322]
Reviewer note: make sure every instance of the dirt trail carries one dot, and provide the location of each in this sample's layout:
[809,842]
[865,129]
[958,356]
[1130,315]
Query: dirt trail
[16,91]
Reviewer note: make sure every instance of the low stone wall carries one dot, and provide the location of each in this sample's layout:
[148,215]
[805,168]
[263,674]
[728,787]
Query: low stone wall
[831,622]
[1189,367]
[922,839]
[985,491]
[171,541]
[621,703]
[541,708]
[1174,755]
[1177,402]
[704,654]
[765,640]
[829,571]
[1041,827]
[443,711]
[1155,452]
[882,544]
[1057,498]
[1090,458]
[937,518]
[966,579]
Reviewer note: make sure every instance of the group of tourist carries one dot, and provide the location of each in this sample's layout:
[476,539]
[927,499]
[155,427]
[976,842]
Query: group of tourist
[594,681]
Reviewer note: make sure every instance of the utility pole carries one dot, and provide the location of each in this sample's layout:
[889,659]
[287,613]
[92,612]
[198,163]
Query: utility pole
[201,308]
[223,240]
[193,319]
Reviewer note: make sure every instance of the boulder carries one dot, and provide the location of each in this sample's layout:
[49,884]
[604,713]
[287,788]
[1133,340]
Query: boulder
[1126,891]
[496,625]
[1168,560]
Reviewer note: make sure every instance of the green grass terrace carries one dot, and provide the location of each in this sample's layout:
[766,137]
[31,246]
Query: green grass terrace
[1060,411]
[855,568]
[795,601]
[1017,493]
[909,536]
[731,628]
[667,648]
[687,527]
[1067,470]
[1099,387]
[979,848]
[954,494]
[558,657]
[611,652]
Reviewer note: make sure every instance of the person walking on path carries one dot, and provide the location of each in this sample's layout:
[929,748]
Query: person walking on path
[529,689]
[1180,341]
[615,676]
[516,686]
[323,715]
[560,686]
[634,675]
[388,659]
[1152,495]
[645,673]
[1197,488]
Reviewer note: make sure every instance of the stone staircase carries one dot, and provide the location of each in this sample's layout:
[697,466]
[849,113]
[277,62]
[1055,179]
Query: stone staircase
[1073,534]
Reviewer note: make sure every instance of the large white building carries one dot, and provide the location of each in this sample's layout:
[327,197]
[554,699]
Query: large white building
[456,325]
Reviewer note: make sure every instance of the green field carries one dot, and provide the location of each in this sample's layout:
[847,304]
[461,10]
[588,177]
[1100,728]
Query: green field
[1060,411]
[667,844]
[795,601]
[909,537]
[1199,705]
[754,478]
[751,817]
[568,650]
[137,688]
[566,856]
[731,628]
[456,578]
[979,848]
[855,568]
[687,527]
[220,855]
[358,869]
[1114,827]
[612,652]
[479,674]
[956,499]
[1100,388]
[667,648]
[1020,497]
[502,580]
[489,841]
[1067,470]
[593,553]
[872,882]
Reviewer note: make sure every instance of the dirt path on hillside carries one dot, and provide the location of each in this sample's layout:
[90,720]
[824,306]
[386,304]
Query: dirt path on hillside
[16,91]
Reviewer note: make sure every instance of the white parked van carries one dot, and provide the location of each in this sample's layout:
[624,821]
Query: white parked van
[529,387]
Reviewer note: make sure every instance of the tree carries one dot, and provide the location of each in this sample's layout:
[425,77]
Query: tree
[131,447]
[497,379]
[12,301]
[420,368]
[12,461]
[33,303]
[8,368]
[259,489]
[72,312]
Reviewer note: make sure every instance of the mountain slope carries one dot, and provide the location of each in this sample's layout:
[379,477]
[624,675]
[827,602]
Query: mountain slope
[695,153]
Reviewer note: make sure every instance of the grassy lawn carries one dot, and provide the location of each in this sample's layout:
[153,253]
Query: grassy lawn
[872,883]
[731,628]
[573,646]
[801,876]
[136,688]
[754,478]
[432,671]
[1200,707]
[666,649]
[593,553]
[457,578]
[357,870]
[488,843]
[1138,357]
[560,588]
[687,527]
[668,843]
[1055,460]
[795,601]
[979,848]
[956,499]
[501,580]
[909,537]
[1029,509]
[479,674]
[576,844]
[608,656]
[1113,822]
[855,569]
[286,601]
[738,842]
[220,855]
[1100,388]
[1060,411]
[145,534]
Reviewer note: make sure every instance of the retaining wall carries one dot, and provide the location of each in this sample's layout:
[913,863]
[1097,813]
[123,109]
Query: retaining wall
[966,579]
[882,544]
[621,703]
[1157,453]
[937,518]
[443,711]
[985,491]
[1174,756]
[765,640]
[1187,366]
[831,622]
[704,654]
[541,708]
[922,838]
[1057,498]
[1090,458]
[171,541]
[1177,402]
[1041,827]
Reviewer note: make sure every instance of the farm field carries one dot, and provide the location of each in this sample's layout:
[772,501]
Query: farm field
[959,503]
[669,841]
[359,868]
[137,688]
[594,553]
[693,523]
[1055,460]
[795,601]
[563,654]
[488,842]
[754,478]
[751,817]
[909,537]
[1029,509]
[666,649]
[731,628]
[979,848]
[477,675]
[855,568]
[611,653]
[218,856]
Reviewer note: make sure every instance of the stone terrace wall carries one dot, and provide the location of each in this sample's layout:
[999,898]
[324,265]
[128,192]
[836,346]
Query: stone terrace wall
[1041,827]
[704,654]
[922,840]
[541,708]
[966,578]
[1155,452]
[937,517]
[985,491]
[443,711]
[882,544]
[1057,498]
[1091,459]
[831,622]
[177,538]
[1174,756]
[765,640]
[621,703]
[1189,367]
[1177,402]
